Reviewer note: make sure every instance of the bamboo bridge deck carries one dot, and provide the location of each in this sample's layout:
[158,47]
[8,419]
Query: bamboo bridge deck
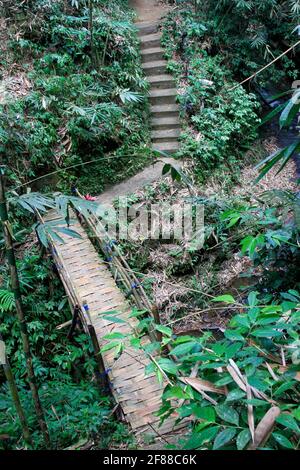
[88,280]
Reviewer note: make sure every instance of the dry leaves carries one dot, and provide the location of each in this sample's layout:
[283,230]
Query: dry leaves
[203,386]
[264,428]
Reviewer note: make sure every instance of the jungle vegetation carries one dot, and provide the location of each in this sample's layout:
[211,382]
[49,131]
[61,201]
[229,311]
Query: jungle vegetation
[74,106]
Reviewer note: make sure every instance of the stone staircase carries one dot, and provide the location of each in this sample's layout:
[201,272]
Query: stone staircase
[164,109]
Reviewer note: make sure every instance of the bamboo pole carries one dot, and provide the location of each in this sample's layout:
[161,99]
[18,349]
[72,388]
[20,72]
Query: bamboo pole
[16,398]
[91,30]
[15,285]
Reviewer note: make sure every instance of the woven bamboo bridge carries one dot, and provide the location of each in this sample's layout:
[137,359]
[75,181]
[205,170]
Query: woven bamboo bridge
[91,286]
[94,286]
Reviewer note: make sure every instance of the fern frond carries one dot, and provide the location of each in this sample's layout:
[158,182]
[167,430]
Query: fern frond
[7,301]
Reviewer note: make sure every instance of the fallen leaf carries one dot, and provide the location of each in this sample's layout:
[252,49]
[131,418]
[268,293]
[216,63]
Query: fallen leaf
[264,428]
[202,385]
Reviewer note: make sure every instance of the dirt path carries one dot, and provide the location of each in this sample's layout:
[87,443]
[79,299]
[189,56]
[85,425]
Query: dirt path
[145,177]
[149,10]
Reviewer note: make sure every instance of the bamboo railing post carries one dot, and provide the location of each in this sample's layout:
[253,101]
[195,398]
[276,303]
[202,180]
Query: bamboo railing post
[101,372]
[74,322]
[15,285]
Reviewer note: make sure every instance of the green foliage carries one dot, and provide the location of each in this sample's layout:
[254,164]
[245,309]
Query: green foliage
[65,370]
[288,112]
[242,371]
[220,122]
[272,238]
[78,107]
[7,301]
[247,34]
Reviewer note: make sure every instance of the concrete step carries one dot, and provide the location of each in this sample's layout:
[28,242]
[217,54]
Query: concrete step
[167,135]
[155,67]
[150,40]
[172,122]
[166,147]
[151,54]
[161,81]
[165,96]
[164,110]
[147,27]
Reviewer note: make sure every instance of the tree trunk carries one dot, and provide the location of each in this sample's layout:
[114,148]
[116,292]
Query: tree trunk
[91,30]
[16,399]
[15,286]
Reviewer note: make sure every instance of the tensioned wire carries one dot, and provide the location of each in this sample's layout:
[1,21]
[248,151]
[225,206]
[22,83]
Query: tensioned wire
[61,170]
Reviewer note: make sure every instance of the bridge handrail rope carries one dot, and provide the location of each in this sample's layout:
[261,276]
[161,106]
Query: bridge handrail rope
[119,266]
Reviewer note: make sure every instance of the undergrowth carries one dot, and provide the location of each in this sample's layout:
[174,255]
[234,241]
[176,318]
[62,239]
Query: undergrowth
[75,407]
[84,98]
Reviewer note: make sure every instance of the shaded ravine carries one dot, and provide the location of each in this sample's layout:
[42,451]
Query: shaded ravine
[286,136]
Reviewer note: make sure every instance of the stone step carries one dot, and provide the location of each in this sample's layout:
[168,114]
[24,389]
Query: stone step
[150,40]
[151,54]
[167,135]
[147,27]
[164,110]
[166,147]
[161,81]
[155,67]
[165,96]
[172,122]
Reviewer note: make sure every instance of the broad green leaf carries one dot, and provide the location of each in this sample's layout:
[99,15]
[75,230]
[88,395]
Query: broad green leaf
[198,439]
[152,347]
[288,422]
[159,376]
[166,168]
[250,244]
[224,381]
[228,414]
[272,114]
[112,318]
[266,333]
[207,413]
[296,413]
[175,392]
[233,335]
[290,296]
[235,395]
[271,309]
[232,349]
[110,346]
[252,299]
[243,439]
[242,320]
[164,330]
[184,348]
[282,440]
[284,387]
[285,154]
[135,343]
[256,402]
[115,335]
[290,110]
[168,366]
[227,298]
[223,438]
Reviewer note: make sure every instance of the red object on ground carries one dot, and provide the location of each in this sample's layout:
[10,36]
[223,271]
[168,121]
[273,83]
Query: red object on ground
[88,197]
